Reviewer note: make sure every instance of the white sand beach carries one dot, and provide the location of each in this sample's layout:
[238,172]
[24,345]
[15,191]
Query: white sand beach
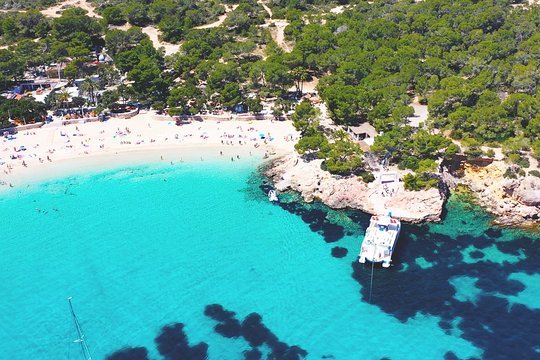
[55,150]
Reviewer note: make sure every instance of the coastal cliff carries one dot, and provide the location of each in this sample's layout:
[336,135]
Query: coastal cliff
[379,197]
[514,202]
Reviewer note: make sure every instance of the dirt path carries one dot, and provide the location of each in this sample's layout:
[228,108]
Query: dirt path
[153,34]
[278,34]
[278,30]
[56,10]
[268,10]
[420,113]
[220,20]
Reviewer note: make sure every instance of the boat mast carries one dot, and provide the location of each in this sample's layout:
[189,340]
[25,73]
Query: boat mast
[80,340]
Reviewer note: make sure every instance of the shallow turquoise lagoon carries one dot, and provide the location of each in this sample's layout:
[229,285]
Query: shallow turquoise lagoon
[144,247]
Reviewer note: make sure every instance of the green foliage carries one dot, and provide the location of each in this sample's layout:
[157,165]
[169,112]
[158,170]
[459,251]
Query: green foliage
[519,160]
[536,149]
[113,15]
[473,152]
[186,99]
[75,24]
[367,177]
[137,14]
[534,173]
[311,143]
[230,95]
[305,118]
[25,110]
[11,68]
[343,157]
[452,150]
[254,105]
[414,182]
[490,153]
[510,173]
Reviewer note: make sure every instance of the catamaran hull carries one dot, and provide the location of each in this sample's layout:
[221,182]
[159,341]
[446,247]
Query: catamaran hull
[380,241]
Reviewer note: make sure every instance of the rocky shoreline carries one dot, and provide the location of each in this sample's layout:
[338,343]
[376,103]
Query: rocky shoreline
[292,173]
[513,202]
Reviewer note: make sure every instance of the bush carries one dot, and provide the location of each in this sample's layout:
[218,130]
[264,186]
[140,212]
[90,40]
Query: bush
[419,182]
[513,158]
[408,162]
[534,173]
[114,15]
[473,152]
[367,177]
[490,153]
[451,151]
[509,174]
[427,165]
[516,158]
[524,162]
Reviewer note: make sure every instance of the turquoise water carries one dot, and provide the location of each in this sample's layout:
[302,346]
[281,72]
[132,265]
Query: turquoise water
[148,246]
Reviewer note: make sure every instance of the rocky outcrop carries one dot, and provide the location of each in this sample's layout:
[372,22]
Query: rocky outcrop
[525,190]
[514,202]
[313,183]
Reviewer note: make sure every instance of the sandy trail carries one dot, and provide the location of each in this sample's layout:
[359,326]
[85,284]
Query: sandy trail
[268,10]
[31,153]
[56,10]
[220,20]
[278,30]
[420,113]
[154,33]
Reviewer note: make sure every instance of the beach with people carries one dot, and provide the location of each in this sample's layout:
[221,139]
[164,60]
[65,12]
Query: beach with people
[56,149]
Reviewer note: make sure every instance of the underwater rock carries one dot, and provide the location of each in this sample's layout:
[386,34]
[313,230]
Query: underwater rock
[172,344]
[339,252]
[129,353]
[255,333]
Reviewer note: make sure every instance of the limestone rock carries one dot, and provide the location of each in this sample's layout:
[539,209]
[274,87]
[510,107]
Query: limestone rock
[525,190]
[308,179]
[514,202]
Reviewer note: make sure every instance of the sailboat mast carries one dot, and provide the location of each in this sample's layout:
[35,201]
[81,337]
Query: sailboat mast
[84,348]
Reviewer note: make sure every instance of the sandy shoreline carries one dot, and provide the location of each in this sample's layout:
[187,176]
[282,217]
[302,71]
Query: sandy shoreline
[60,150]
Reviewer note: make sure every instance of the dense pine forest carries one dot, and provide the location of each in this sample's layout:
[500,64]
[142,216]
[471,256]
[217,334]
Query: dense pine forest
[474,63]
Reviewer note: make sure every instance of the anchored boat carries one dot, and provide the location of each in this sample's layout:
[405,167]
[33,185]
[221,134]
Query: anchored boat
[272,195]
[380,240]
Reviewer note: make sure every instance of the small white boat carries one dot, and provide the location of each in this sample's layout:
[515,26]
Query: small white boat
[380,240]
[272,196]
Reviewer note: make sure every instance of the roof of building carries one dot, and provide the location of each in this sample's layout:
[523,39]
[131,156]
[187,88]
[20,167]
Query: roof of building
[364,128]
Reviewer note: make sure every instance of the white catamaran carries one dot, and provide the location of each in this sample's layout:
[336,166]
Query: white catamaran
[81,340]
[380,240]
